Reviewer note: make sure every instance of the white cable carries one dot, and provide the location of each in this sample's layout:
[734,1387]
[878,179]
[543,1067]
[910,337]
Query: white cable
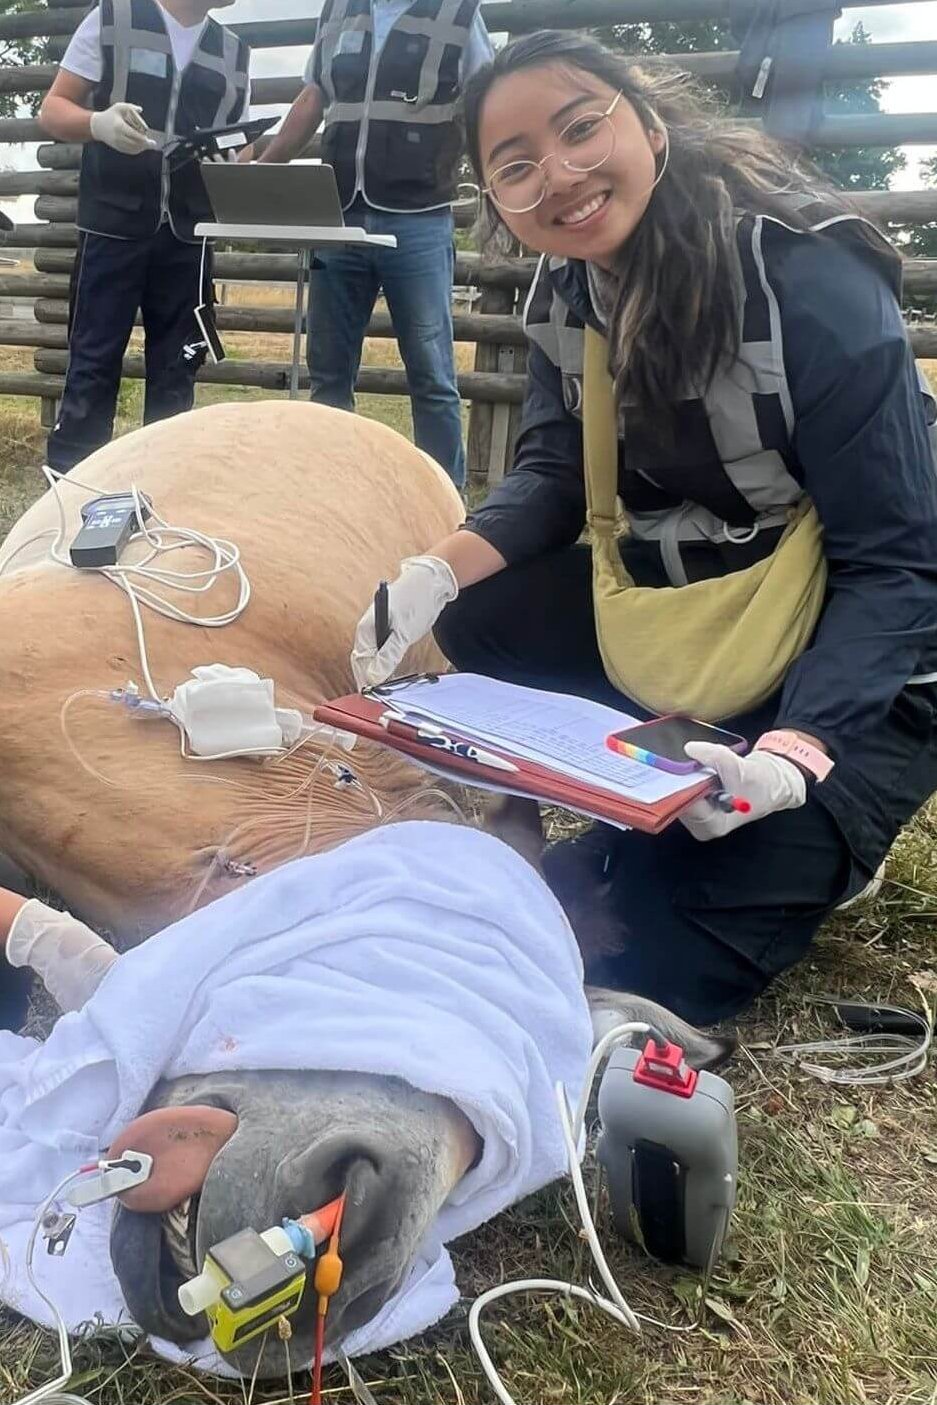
[224,556]
[49,531]
[572,1128]
[40,536]
[605,1046]
[585,1214]
[526,1285]
[201,273]
[46,1392]
[910,1055]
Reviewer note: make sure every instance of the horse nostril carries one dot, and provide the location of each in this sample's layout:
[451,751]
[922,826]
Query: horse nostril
[377,1194]
[314,1177]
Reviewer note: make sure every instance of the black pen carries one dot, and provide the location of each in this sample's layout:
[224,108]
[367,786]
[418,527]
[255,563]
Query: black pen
[381,615]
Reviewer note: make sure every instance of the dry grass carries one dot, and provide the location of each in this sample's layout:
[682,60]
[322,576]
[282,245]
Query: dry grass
[829,1293]
[271,346]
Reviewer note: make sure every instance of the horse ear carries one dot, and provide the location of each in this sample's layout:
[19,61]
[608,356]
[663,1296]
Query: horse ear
[610,1008]
[183,1142]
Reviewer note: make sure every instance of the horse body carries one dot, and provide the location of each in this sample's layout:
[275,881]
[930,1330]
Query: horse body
[99,806]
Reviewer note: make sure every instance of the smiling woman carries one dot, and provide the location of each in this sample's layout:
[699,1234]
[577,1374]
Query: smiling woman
[582,137]
[666,245]
[716,345]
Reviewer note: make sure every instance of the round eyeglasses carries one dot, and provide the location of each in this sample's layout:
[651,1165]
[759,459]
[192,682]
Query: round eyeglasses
[584,145]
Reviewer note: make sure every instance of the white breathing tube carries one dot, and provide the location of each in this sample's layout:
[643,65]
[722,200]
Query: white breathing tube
[50,1394]
[897,1056]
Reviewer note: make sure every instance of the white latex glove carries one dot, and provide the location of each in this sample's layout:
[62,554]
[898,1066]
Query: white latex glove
[768,782]
[69,958]
[122,127]
[415,601]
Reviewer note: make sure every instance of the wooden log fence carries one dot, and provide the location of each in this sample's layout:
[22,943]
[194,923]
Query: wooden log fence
[484,330]
[495,387]
[470,270]
[274,375]
[920,275]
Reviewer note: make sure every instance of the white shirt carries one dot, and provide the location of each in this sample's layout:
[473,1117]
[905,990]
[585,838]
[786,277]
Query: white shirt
[83,56]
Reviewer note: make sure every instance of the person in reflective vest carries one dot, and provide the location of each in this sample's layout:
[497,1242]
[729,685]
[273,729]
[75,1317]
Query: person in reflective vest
[760,383]
[387,77]
[136,74]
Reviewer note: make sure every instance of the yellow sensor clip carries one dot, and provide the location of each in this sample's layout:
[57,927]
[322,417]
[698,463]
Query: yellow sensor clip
[248,1281]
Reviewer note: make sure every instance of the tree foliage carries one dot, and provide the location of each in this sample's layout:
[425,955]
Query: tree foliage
[859,167]
[14,53]
[922,240]
[865,168]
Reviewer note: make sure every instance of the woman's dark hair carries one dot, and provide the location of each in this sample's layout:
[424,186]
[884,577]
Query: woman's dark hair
[676,314]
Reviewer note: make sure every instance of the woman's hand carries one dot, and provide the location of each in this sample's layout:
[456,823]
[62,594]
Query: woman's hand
[415,600]
[769,783]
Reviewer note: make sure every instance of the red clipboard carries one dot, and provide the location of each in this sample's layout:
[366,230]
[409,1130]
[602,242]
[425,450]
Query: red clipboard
[361,715]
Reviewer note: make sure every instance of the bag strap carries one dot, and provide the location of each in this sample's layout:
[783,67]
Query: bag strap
[599,436]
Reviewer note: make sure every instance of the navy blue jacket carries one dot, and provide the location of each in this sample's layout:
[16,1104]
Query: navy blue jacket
[861,449]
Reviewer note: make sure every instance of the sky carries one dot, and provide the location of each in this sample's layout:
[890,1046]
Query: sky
[885,24]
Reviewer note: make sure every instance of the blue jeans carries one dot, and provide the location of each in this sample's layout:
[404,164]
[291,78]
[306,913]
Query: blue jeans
[417,281]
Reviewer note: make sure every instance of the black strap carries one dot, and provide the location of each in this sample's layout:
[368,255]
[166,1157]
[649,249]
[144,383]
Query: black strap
[658,1190]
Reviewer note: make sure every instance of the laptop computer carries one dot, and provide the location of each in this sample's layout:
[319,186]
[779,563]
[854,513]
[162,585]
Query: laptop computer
[264,200]
[263,194]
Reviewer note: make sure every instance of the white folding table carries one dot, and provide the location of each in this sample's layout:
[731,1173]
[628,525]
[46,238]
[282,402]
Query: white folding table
[305,239]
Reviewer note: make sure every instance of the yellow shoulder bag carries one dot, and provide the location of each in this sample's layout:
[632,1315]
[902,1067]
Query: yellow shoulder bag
[712,649]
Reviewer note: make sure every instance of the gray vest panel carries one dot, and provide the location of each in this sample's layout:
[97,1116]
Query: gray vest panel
[747,411]
[392,126]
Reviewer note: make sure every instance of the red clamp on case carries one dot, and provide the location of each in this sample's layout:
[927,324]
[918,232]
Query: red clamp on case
[665,1069]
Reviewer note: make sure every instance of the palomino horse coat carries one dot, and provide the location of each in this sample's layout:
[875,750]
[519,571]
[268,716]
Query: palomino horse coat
[97,803]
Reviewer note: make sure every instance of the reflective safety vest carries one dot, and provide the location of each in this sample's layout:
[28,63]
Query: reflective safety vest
[392,130]
[130,196]
[726,477]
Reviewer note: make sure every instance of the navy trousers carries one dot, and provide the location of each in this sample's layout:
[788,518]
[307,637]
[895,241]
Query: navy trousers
[113,280]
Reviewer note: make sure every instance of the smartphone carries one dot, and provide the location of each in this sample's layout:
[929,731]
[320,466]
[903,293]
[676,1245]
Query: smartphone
[661,743]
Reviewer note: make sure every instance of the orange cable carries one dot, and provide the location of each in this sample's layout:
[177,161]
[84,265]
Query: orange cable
[328,1279]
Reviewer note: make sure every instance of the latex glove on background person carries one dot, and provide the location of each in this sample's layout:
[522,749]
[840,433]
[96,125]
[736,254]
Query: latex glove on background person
[122,127]
[769,783]
[415,600]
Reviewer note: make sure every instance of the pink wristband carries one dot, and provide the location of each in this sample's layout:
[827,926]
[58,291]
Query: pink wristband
[797,750]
